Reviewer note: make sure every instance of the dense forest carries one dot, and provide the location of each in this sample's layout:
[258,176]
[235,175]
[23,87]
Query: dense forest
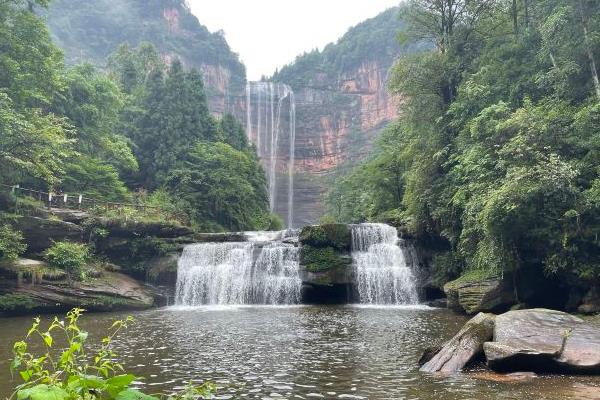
[91,31]
[139,131]
[495,157]
[375,38]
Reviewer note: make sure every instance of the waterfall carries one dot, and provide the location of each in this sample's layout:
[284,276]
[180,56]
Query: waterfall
[268,106]
[264,270]
[382,265]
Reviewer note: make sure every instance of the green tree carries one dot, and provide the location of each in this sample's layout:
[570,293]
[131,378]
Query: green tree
[222,186]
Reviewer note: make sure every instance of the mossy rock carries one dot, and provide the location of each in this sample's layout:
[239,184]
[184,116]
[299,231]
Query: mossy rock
[19,303]
[336,236]
[316,259]
[472,293]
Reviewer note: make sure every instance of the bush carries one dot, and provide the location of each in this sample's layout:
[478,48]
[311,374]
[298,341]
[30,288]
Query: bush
[11,243]
[68,256]
[328,235]
[75,373]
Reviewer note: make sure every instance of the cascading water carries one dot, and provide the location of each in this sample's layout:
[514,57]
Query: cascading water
[266,127]
[263,270]
[382,266]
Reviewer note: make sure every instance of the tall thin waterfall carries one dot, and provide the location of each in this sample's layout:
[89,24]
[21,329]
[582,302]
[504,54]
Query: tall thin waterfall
[271,126]
[262,271]
[382,266]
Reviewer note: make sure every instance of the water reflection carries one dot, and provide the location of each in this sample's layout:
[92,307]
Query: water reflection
[301,352]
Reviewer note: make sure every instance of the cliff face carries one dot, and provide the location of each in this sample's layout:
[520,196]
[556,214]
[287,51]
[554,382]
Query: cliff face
[89,31]
[342,104]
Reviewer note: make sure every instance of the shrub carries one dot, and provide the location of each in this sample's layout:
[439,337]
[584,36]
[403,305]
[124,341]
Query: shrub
[72,372]
[327,235]
[11,243]
[68,256]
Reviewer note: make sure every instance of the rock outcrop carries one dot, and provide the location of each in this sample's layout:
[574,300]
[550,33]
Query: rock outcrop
[464,347]
[107,292]
[39,233]
[326,263]
[485,295]
[543,340]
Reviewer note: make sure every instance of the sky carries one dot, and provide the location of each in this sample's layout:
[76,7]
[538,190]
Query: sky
[268,34]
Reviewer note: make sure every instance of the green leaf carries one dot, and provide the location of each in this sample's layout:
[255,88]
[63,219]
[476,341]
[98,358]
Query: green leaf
[121,380]
[86,381]
[132,394]
[47,339]
[42,392]
[25,375]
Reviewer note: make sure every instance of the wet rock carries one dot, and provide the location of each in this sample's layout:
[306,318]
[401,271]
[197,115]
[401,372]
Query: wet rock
[111,291]
[464,347]
[485,295]
[590,303]
[437,303]
[543,340]
[514,377]
[162,270]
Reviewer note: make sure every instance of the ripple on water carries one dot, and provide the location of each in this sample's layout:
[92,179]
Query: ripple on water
[301,352]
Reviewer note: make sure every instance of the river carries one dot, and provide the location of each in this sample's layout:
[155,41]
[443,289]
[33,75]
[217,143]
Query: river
[299,352]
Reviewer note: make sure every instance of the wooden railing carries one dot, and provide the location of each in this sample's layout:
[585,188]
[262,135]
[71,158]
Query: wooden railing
[77,201]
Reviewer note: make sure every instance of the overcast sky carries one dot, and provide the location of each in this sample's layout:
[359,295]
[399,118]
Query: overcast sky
[268,34]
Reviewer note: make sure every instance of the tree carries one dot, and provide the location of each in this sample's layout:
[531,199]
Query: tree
[222,186]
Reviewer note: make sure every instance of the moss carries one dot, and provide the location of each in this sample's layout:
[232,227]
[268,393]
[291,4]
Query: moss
[475,275]
[336,236]
[322,259]
[17,303]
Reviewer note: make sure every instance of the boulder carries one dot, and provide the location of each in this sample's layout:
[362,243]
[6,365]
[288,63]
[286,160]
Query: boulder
[39,233]
[464,347]
[590,303]
[111,291]
[542,340]
[486,295]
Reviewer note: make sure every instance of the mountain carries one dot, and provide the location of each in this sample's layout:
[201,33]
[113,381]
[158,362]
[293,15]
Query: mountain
[342,104]
[89,31]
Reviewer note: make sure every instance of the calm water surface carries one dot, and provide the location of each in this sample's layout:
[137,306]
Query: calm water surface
[300,353]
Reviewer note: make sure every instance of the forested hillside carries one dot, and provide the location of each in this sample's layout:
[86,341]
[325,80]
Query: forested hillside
[141,131]
[495,158]
[89,31]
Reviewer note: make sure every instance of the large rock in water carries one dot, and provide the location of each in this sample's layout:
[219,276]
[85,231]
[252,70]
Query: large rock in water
[486,295]
[543,340]
[464,347]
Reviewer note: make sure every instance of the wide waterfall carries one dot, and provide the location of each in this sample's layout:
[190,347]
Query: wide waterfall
[383,266]
[271,126]
[264,270]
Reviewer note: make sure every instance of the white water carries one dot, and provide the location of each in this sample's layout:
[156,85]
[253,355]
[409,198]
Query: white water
[266,103]
[383,266]
[261,271]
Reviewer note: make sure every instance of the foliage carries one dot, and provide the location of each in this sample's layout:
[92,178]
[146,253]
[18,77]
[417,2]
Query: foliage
[75,372]
[326,235]
[222,184]
[496,152]
[11,243]
[374,38]
[93,30]
[112,135]
[68,256]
